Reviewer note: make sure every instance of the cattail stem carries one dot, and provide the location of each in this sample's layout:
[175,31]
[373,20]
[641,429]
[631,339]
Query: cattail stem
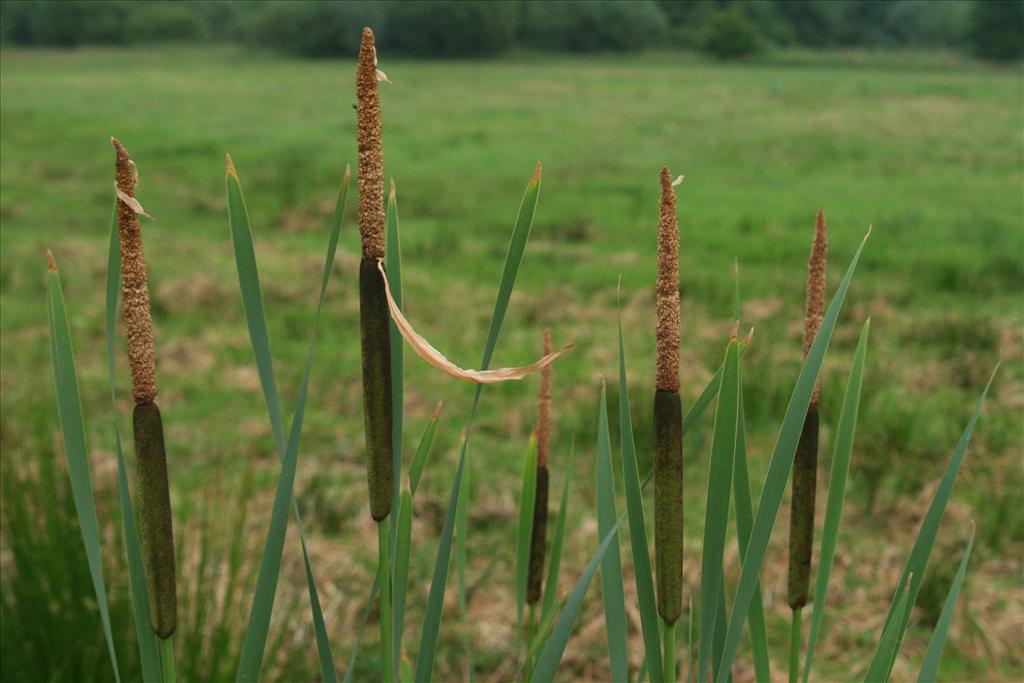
[805,464]
[670,653]
[167,660]
[795,638]
[374,325]
[384,566]
[538,539]
[154,493]
[668,418]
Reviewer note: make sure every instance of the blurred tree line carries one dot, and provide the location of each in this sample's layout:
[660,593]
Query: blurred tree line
[990,29]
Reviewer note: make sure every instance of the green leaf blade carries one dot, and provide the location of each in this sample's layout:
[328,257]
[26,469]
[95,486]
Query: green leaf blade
[836,493]
[638,528]
[930,668]
[779,469]
[611,566]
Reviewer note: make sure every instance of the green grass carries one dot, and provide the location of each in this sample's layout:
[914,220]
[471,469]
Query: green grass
[930,153]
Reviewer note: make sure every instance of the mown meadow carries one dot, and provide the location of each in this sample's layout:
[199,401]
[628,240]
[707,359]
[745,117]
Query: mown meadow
[930,151]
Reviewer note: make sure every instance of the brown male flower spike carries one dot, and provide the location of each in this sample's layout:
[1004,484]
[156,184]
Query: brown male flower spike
[154,495]
[371,156]
[138,321]
[805,463]
[668,418]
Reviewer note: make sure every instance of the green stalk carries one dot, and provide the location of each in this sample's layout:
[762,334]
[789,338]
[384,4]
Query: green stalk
[670,652]
[530,634]
[795,637]
[167,659]
[384,565]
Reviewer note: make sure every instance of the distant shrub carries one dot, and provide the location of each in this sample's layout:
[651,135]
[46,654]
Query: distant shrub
[451,28]
[609,26]
[312,29]
[730,35]
[151,22]
[997,30]
[64,23]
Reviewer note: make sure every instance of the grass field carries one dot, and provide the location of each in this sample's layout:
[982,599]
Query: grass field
[931,152]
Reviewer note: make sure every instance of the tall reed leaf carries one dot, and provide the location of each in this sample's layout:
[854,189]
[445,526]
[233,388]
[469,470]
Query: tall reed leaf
[393,264]
[72,427]
[744,521]
[555,561]
[930,667]
[401,570]
[435,601]
[513,259]
[918,560]
[638,527]
[716,514]
[836,493]
[611,566]
[892,635]
[149,657]
[779,468]
[551,655]
[524,533]
[270,566]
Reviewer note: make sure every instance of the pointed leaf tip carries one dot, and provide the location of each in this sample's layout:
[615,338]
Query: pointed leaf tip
[391,193]
[51,263]
[437,411]
[230,166]
[348,172]
[536,172]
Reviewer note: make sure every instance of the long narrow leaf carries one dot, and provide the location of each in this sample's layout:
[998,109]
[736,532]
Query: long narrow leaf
[72,427]
[716,514]
[513,259]
[403,547]
[524,533]
[435,601]
[889,643]
[419,460]
[393,263]
[836,493]
[744,521]
[555,561]
[779,469]
[149,657]
[611,566]
[638,528]
[918,560]
[551,655]
[930,667]
[263,599]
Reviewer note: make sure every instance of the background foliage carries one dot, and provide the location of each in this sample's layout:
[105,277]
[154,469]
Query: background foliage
[991,29]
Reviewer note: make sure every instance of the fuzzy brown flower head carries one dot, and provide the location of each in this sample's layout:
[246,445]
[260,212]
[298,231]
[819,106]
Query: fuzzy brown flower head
[667,288]
[544,407]
[138,321]
[814,310]
[371,156]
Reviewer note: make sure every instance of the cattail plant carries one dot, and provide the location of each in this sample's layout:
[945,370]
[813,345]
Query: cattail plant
[805,462]
[154,496]
[538,539]
[668,419]
[374,325]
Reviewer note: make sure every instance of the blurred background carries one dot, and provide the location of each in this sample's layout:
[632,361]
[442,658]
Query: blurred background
[907,115]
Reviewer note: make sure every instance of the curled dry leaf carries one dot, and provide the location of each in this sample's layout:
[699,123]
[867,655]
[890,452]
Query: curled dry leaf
[132,203]
[678,181]
[381,76]
[427,352]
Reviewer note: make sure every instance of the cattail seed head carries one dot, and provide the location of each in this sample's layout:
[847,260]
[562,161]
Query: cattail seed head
[371,157]
[814,310]
[544,407]
[667,304]
[138,320]
[156,529]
